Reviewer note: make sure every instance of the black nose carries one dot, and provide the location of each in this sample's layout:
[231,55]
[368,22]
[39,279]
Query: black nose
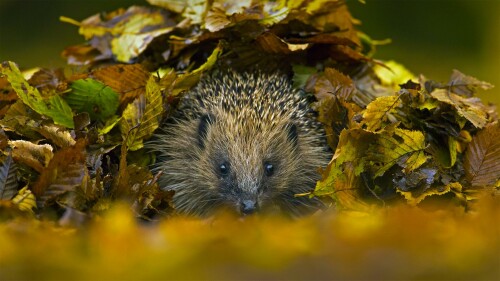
[248,207]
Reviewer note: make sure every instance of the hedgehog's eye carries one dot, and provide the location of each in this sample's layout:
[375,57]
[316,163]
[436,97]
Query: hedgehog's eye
[268,169]
[224,169]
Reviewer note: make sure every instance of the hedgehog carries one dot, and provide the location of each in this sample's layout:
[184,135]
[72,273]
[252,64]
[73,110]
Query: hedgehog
[242,141]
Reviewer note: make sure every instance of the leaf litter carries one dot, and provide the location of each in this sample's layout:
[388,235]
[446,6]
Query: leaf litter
[73,156]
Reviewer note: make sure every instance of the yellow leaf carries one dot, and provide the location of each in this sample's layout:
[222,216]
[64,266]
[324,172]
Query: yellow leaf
[414,200]
[176,6]
[341,174]
[452,147]
[141,118]
[273,13]
[393,74]
[25,200]
[379,111]
[403,147]
[185,81]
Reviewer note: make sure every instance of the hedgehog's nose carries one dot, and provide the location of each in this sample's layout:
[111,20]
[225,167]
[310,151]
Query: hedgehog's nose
[248,207]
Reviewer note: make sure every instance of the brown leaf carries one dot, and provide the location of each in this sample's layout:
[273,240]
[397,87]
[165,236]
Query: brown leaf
[127,80]
[8,178]
[336,115]
[82,55]
[348,190]
[346,53]
[216,20]
[65,172]
[482,158]
[49,79]
[333,82]
[60,136]
[272,44]
[470,108]
[324,38]
[334,16]
[465,85]
[7,94]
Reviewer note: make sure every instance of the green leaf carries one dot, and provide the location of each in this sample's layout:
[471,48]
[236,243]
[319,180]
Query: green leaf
[54,106]
[402,147]
[482,158]
[452,147]
[93,97]
[300,74]
[141,118]
[109,125]
[8,178]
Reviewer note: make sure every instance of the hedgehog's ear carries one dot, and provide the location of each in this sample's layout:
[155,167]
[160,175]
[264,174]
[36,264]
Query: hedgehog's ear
[205,121]
[292,133]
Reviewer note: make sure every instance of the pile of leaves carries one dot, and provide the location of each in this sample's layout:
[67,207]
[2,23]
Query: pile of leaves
[72,139]
[72,143]
[426,139]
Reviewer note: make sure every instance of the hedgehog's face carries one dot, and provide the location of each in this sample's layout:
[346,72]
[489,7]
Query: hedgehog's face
[250,167]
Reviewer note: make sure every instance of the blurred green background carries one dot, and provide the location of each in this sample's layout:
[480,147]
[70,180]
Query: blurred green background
[428,36]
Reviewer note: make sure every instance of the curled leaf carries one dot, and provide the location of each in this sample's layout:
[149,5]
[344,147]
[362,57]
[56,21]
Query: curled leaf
[415,199]
[25,200]
[36,156]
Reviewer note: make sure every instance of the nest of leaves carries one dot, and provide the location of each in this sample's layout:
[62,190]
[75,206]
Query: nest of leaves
[72,138]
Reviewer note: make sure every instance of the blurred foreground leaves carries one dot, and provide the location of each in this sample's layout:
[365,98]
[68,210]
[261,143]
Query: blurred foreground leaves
[402,243]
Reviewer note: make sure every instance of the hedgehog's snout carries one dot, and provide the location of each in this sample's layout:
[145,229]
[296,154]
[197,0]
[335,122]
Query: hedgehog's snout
[248,207]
